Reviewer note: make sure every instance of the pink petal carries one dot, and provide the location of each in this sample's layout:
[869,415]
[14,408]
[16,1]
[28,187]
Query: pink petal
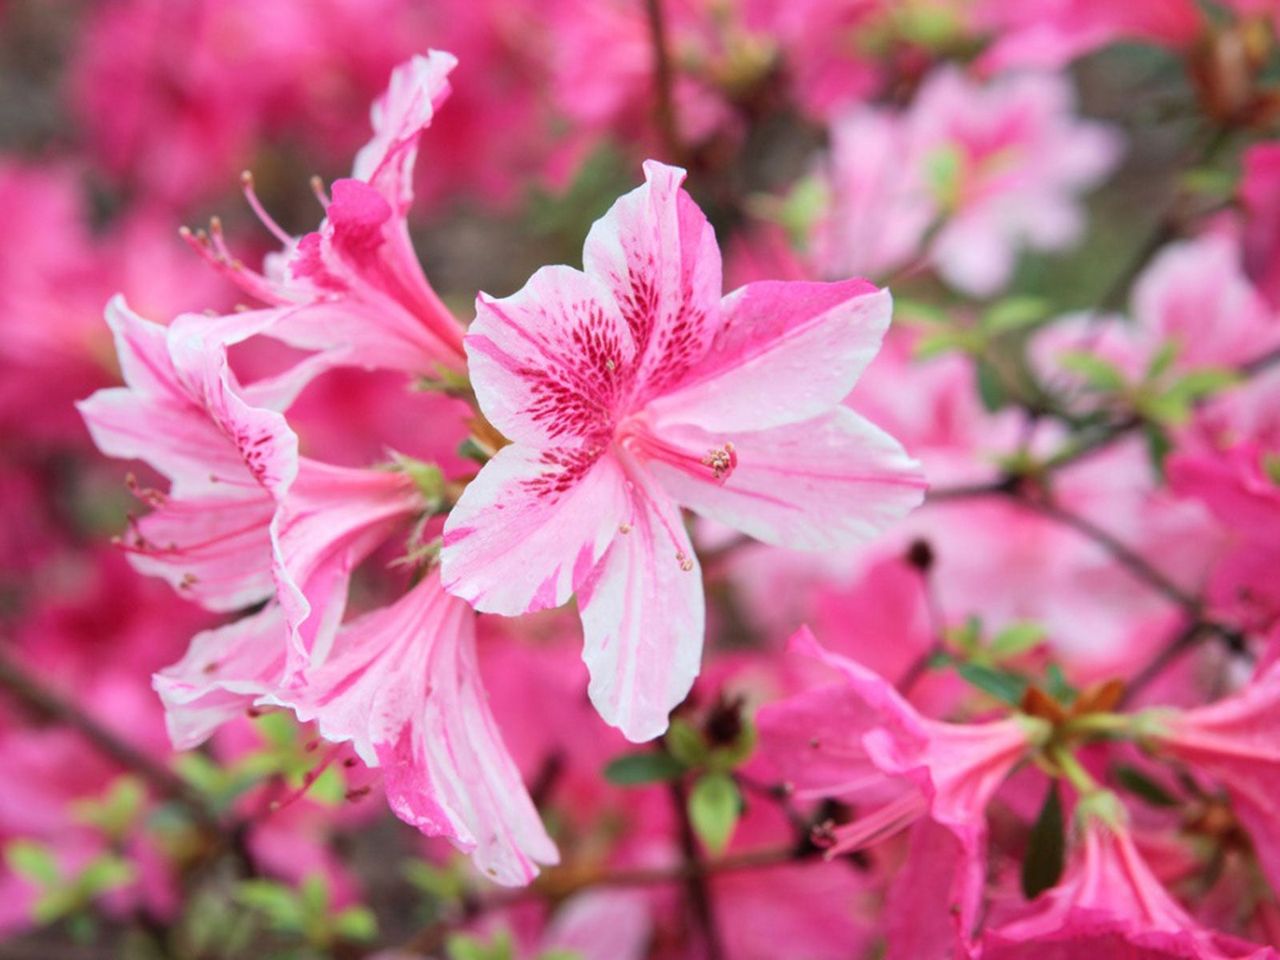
[417,89]
[402,684]
[331,520]
[827,483]
[531,526]
[216,551]
[553,361]
[789,351]
[224,672]
[658,254]
[642,617]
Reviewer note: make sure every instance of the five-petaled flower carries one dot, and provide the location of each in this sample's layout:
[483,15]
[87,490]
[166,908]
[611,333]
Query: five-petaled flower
[632,388]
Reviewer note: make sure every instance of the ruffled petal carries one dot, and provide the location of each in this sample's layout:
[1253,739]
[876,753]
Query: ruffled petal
[530,528]
[828,483]
[331,520]
[658,255]
[643,617]
[223,673]
[399,117]
[402,684]
[789,351]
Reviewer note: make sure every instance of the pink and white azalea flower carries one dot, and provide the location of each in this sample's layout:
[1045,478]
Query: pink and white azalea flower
[403,686]
[227,463]
[994,167]
[633,388]
[1110,904]
[353,290]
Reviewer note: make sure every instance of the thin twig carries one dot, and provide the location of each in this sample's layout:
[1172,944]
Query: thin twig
[1185,639]
[701,901]
[40,699]
[664,81]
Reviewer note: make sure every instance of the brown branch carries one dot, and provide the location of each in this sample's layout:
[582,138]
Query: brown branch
[664,82]
[701,901]
[41,700]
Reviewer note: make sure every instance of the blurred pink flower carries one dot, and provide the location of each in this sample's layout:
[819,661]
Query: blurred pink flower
[1110,904]
[993,167]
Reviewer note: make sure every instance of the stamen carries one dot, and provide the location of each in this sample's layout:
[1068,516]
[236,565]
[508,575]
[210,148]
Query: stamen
[722,461]
[317,187]
[246,183]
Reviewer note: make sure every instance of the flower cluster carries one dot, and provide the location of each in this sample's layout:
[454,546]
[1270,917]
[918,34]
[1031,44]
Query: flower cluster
[717,479]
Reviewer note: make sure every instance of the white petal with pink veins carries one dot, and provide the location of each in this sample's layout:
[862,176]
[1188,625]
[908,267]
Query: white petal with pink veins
[642,617]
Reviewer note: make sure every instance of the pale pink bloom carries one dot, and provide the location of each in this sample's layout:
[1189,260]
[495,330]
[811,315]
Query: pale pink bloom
[402,684]
[353,290]
[995,167]
[1236,742]
[632,388]
[879,208]
[1009,159]
[1110,904]
[859,740]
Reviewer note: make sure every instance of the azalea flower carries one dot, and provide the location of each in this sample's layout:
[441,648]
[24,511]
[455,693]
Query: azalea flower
[994,167]
[632,388]
[859,740]
[1110,904]
[353,291]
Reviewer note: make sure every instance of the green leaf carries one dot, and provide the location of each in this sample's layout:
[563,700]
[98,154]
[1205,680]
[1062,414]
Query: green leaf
[1016,639]
[1004,686]
[1202,383]
[560,953]
[427,477]
[942,169]
[280,905]
[461,946]
[32,861]
[1271,467]
[1015,313]
[1140,785]
[442,883]
[107,872]
[685,743]
[714,806]
[115,811]
[356,923]
[1100,374]
[1057,686]
[635,769]
[936,344]
[1046,847]
[1158,447]
[918,313]
[990,387]
[1163,360]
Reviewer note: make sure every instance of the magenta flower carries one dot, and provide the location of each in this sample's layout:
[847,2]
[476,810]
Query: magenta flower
[859,740]
[1110,904]
[631,389]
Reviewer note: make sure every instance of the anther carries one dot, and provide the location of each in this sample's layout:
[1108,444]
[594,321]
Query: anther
[624,527]
[721,460]
[685,561]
